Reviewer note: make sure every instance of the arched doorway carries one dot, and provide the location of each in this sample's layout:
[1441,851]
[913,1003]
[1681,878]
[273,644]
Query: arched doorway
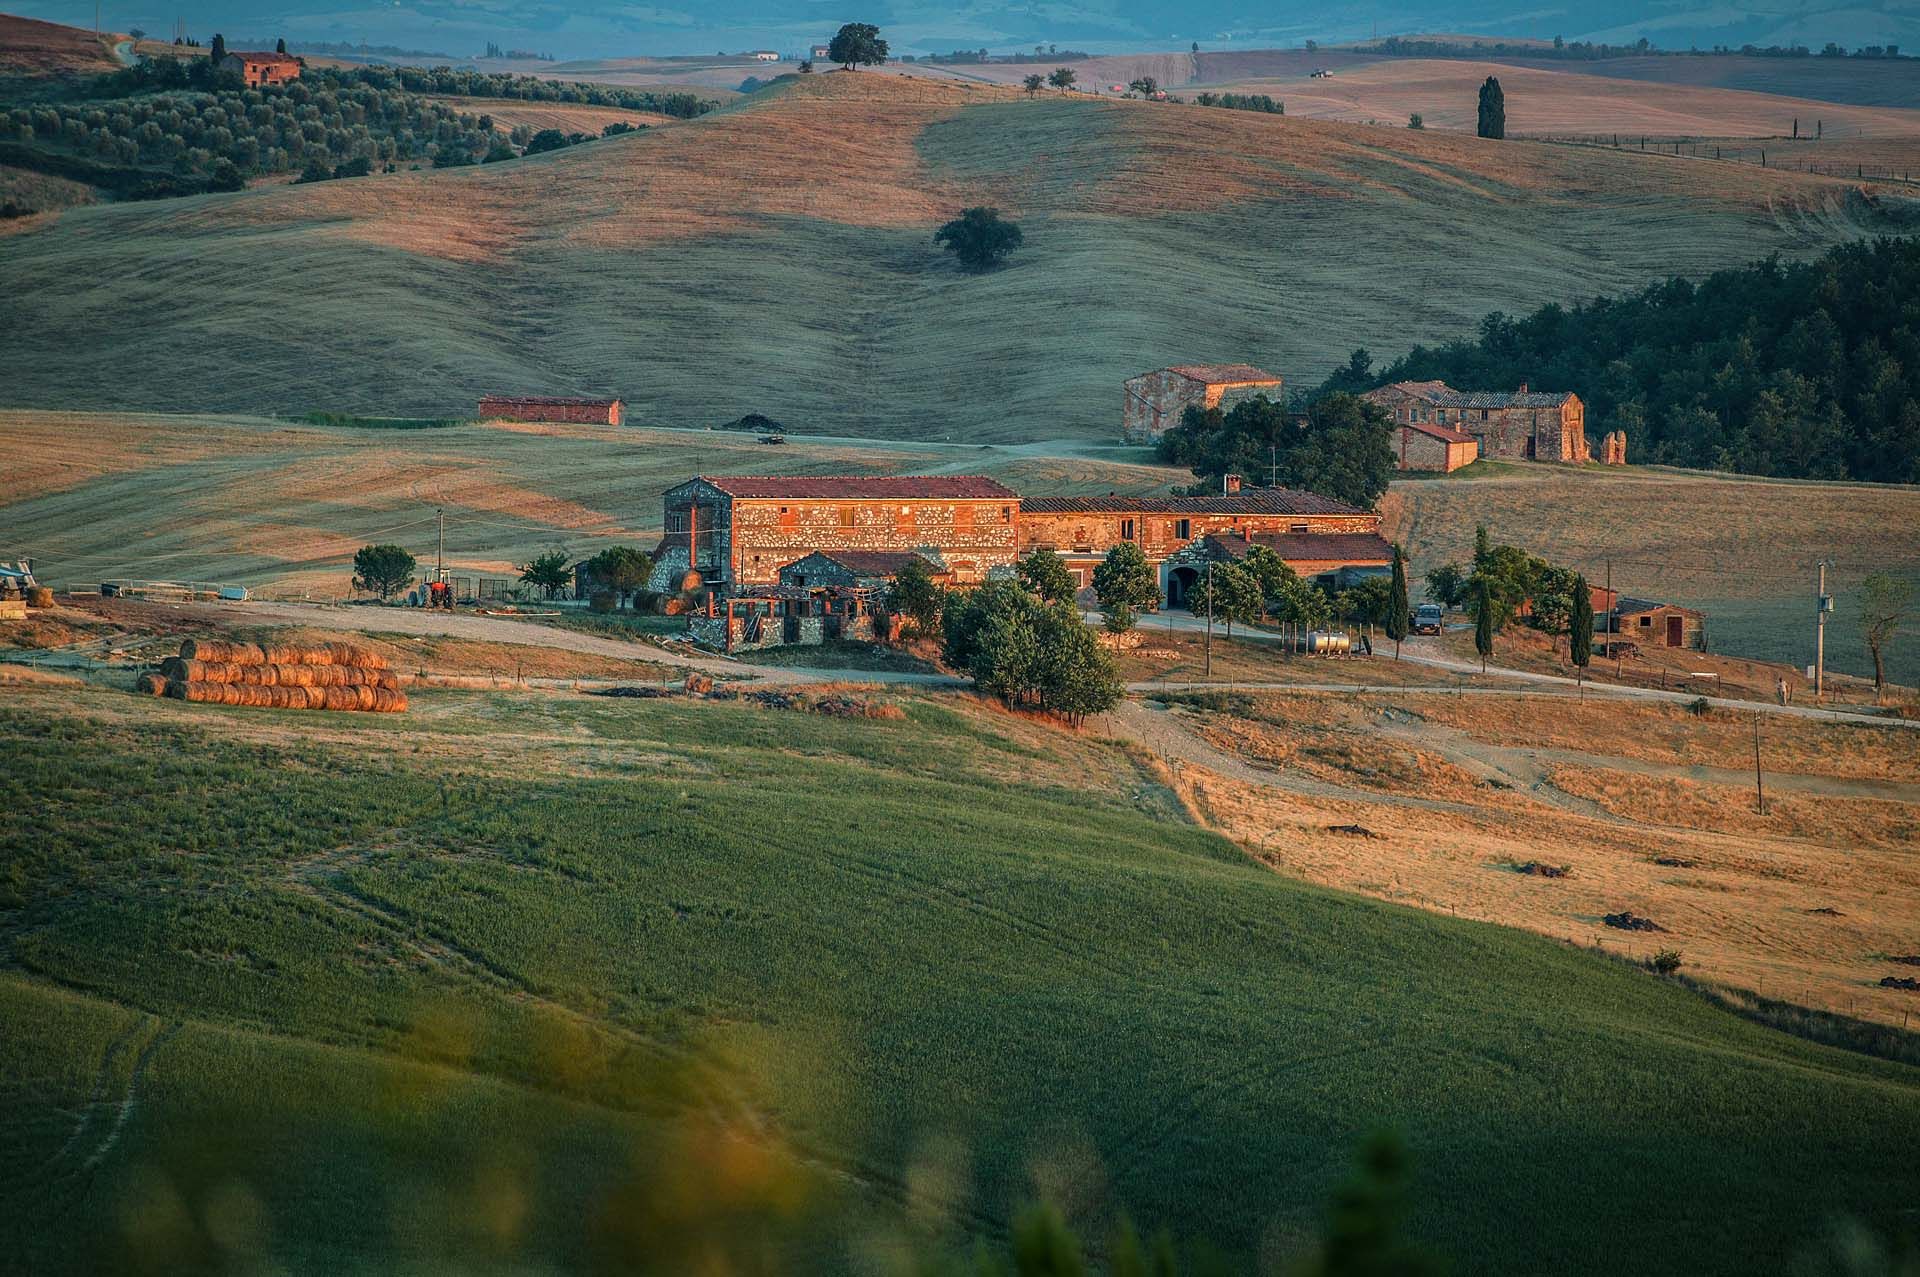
[1180,583]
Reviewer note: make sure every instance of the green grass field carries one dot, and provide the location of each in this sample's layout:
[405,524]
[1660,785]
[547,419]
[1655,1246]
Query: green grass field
[386,994]
[778,258]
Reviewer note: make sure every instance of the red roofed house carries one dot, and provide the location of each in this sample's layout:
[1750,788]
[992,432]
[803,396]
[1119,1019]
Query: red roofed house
[1155,401]
[589,412]
[263,70]
[1524,425]
[1421,445]
[739,531]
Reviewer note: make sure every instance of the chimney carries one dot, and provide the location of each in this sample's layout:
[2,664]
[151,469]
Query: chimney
[1523,387]
[1229,484]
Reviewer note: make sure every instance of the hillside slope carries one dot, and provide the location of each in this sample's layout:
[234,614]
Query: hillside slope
[777,257]
[401,1002]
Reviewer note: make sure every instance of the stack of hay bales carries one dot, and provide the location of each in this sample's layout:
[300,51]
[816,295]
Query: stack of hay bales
[337,676]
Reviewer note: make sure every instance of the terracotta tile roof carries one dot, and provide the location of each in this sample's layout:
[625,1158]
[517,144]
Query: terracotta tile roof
[1446,434]
[1246,501]
[885,487]
[1631,607]
[1222,374]
[1441,395]
[1322,547]
[265,59]
[870,562]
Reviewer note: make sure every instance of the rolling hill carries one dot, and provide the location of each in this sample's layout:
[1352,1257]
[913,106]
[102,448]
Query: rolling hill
[777,257]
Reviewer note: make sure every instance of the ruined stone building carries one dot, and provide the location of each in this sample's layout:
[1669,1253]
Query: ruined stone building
[1082,529]
[740,531]
[590,412]
[1155,401]
[1522,425]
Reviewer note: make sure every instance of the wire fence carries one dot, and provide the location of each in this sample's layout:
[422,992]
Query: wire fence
[1778,153]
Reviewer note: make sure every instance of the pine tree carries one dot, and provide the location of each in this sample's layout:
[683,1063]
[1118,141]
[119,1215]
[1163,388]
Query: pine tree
[1493,110]
[1580,624]
[1483,623]
[1399,611]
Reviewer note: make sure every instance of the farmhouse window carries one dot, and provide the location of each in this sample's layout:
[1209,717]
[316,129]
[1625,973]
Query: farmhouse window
[904,522]
[1646,621]
[846,516]
[1126,529]
[1183,528]
[963,518]
[1297,527]
[787,517]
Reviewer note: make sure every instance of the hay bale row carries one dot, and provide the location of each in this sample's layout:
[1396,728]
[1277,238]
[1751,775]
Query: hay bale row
[180,669]
[150,685]
[373,700]
[222,652]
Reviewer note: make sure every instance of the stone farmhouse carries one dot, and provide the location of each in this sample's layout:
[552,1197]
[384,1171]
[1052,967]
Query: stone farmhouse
[1648,623]
[591,412]
[739,531]
[772,559]
[262,70]
[1524,425]
[1155,401]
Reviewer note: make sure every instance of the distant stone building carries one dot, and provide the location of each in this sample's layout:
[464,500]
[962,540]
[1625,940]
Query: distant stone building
[1082,529]
[764,55]
[262,70]
[1421,445]
[740,531]
[1523,425]
[592,412]
[1155,401]
[1613,448]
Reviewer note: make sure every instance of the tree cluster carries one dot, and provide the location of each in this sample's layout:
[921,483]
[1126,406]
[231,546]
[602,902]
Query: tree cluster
[1801,370]
[1504,582]
[1029,652]
[979,238]
[1342,449]
[1241,102]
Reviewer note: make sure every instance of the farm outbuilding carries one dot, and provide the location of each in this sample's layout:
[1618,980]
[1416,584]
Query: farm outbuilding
[579,411]
[1424,446]
[263,70]
[1519,425]
[1653,624]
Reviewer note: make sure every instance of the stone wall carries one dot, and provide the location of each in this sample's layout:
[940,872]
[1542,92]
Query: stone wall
[591,412]
[970,537]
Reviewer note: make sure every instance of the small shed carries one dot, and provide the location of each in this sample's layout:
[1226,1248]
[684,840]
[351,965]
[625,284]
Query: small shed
[854,569]
[1424,446]
[1653,624]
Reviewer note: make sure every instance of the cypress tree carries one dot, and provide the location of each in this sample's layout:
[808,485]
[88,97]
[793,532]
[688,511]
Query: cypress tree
[1493,110]
[1580,624]
[1483,623]
[280,45]
[1399,614]
[218,51]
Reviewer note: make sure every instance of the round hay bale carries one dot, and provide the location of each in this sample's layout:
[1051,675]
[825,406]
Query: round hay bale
[690,582]
[39,596]
[219,651]
[298,675]
[357,657]
[389,702]
[150,685]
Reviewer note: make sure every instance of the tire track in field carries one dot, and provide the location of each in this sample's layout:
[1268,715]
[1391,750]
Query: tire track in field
[131,1100]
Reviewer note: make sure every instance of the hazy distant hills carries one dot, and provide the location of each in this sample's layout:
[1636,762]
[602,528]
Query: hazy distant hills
[601,28]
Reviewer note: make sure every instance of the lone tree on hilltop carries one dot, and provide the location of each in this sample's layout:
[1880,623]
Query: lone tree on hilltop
[1493,110]
[1033,83]
[547,573]
[1146,86]
[979,238]
[1062,78]
[1885,601]
[381,569]
[1399,614]
[858,44]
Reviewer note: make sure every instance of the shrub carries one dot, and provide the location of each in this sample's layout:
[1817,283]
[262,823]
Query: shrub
[1667,961]
[1699,707]
[603,601]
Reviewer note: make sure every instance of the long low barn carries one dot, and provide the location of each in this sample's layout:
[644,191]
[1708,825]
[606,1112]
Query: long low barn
[588,412]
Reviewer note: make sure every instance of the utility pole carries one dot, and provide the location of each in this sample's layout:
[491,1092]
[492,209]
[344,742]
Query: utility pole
[1209,674]
[440,549]
[1759,790]
[1823,604]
